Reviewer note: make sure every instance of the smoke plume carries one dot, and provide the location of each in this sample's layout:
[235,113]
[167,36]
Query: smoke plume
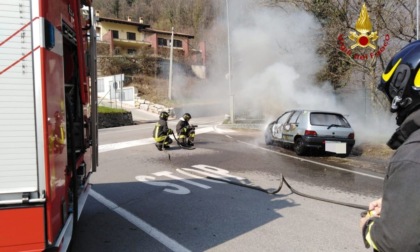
[274,61]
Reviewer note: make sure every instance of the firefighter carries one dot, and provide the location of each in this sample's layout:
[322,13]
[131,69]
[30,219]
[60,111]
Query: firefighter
[393,221]
[185,131]
[162,131]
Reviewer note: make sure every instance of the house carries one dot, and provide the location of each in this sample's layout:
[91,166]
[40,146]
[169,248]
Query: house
[112,93]
[129,36]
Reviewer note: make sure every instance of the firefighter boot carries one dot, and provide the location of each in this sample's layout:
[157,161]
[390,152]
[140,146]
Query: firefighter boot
[182,142]
[167,142]
[191,141]
[159,146]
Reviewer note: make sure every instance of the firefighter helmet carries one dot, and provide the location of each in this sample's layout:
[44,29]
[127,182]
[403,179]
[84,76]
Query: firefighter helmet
[164,115]
[186,116]
[401,81]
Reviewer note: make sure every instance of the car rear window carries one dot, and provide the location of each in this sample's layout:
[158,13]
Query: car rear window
[327,119]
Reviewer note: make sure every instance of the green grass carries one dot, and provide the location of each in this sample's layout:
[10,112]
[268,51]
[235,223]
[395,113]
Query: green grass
[107,110]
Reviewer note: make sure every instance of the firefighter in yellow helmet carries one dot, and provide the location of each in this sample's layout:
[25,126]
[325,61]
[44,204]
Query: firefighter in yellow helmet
[393,221]
[185,131]
[161,132]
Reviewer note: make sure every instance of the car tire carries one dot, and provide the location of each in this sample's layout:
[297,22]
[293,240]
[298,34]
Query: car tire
[268,136]
[299,146]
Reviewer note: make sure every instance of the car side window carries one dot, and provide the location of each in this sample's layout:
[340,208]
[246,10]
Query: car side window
[294,117]
[283,119]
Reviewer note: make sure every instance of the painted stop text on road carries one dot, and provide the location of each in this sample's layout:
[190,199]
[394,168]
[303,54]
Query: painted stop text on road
[201,172]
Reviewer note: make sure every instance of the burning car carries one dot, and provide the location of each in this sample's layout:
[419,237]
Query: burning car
[311,129]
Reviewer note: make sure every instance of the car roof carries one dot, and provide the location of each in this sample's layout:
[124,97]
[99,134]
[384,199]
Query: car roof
[312,111]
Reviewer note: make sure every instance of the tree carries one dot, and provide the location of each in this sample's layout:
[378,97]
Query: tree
[391,19]
[130,2]
[116,8]
[141,63]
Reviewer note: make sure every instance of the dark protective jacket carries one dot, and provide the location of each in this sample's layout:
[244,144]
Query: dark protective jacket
[182,126]
[398,227]
[161,129]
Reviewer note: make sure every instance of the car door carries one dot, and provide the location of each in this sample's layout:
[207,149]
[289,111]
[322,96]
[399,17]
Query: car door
[278,126]
[290,127]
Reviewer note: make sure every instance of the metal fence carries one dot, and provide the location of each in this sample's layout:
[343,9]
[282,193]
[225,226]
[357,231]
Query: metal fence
[119,98]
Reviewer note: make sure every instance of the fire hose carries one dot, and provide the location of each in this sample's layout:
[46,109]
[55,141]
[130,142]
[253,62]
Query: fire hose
[283,180]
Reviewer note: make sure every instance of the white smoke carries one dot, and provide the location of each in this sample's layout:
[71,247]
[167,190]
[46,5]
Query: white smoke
[274,64]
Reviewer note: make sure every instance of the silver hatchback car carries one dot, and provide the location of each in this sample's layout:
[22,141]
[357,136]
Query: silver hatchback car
[305,129]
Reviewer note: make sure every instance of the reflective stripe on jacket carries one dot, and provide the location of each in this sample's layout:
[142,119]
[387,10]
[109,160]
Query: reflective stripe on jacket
[161,130]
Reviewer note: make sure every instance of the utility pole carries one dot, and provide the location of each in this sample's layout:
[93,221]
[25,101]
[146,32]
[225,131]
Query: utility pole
[229,66]
[170,65]
[115,92]
[121,90]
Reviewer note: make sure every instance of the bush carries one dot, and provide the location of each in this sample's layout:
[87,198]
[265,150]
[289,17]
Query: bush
[113,117]
[107,110]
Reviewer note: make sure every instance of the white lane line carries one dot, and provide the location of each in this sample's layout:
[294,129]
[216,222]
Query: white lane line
[122,145]
[314,162]
[147,228]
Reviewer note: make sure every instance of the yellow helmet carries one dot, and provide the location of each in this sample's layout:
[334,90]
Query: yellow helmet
[401,81]
[164,115]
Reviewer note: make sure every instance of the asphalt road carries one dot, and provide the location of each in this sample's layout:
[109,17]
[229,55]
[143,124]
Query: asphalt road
[146,200]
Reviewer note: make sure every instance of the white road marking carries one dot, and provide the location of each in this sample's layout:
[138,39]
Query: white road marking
[122,145]
[170,175]
[197,177]
[169,187]
[147,228]
[314,162]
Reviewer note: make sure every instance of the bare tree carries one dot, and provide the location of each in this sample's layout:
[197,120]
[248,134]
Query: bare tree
[394,22]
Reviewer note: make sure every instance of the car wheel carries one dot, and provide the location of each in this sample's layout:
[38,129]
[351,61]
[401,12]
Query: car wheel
[299,146]
[268,136]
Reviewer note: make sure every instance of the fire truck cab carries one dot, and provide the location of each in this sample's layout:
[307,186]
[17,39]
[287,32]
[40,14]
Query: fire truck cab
[48,122]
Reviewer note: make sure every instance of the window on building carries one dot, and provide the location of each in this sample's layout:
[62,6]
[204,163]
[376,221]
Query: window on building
[115,34]
[162,42]
[131,51]
[177,43]
[131,36]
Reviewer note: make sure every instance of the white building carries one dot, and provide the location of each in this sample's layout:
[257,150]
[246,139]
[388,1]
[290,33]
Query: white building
[111,91]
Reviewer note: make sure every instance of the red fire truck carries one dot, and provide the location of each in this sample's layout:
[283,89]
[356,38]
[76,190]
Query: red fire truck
[48,122]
